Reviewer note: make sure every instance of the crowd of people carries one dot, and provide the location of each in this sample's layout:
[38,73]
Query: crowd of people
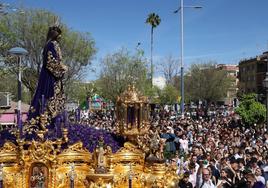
[216,152]
[209,152]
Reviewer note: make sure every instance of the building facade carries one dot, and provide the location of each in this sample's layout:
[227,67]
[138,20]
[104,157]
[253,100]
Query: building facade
[232,71]
[8,115]
[251,75]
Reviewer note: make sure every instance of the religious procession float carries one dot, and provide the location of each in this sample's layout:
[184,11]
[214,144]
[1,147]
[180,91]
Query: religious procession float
[75,155]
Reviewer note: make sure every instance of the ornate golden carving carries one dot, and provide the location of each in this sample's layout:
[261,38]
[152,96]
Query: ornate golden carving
[59,166]
[8,147]
[131,95]
[119,165]
[100,180]
[132,114]
[8,153]
[41,151]
[74,153]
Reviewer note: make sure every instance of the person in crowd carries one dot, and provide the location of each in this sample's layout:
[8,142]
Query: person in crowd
[185,183]
[204,179]
[193,173]
[252,182]
[184,144]
[225,181]
[258,175]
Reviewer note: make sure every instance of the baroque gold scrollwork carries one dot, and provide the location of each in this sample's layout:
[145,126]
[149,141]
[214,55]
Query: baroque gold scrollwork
[39,150]
[9,147]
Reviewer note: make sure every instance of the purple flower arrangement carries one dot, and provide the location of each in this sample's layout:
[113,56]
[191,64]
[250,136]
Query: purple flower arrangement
[90,137]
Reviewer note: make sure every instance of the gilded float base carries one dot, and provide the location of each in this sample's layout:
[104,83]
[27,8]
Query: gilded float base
[43,163]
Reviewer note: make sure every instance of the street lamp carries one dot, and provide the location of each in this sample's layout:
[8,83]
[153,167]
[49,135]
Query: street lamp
[182,43]
[19,53]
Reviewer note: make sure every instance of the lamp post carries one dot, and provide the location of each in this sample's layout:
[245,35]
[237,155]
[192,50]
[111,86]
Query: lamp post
[181,8]
[19,52]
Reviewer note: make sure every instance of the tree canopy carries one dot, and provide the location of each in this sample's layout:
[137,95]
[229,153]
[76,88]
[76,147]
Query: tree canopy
[168,95]
[153,19]
[250,110]
[120,70]
[206,82]
[28,30]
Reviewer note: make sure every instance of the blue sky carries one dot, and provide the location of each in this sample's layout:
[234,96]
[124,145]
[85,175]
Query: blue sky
[224,31]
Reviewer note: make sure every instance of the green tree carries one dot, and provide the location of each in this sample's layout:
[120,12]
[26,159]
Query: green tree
[250,110]
[9,83]
[153,93]
[206,82]
[77,91]
[169,95]
[28,30]
[120,70]
[154,20]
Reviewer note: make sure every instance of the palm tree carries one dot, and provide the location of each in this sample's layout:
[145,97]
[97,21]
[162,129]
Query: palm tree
[154,20]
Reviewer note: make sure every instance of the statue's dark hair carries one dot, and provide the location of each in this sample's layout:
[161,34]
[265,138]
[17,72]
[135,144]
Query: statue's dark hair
[53,33]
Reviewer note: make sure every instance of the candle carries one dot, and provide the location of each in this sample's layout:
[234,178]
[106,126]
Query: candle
[65,118]
[58,127]
[77,115]
[19,122]
[42,104]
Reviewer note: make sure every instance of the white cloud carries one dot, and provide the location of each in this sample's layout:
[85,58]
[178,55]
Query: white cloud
[159,82]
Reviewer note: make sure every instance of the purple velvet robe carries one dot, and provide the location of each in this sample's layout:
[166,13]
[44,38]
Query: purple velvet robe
[49,96]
